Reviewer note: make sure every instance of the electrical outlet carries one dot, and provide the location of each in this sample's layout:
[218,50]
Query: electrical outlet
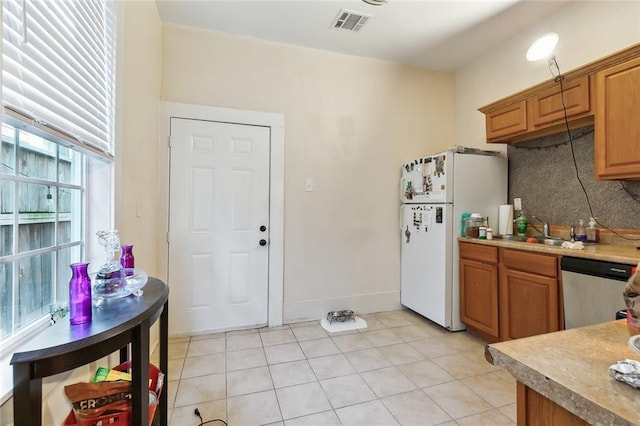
[308,185]
[517,204]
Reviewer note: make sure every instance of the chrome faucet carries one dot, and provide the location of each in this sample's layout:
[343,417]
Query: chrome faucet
[545,229]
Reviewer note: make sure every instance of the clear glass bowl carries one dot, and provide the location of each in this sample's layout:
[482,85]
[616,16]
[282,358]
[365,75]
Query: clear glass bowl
[135,279]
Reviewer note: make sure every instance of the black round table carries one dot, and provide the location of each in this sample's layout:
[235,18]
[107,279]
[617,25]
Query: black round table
[116,325]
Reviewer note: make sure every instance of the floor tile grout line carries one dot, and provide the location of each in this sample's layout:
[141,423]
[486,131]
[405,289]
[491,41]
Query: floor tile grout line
[275,392]
[479,395]
[484,411]
[377,397]
[359,373]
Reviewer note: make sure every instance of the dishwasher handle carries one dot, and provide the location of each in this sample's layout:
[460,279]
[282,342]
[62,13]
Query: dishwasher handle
[596,268]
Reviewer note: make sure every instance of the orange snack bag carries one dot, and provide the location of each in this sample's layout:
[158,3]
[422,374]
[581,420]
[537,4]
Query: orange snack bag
[631,295]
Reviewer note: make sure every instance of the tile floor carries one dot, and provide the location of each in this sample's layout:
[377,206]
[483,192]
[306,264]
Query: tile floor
[401,369]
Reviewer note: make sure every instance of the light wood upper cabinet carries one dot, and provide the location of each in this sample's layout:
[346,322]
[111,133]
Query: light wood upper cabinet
[506,121]
[617,126]
[547,108]
[539,112]
[605,93]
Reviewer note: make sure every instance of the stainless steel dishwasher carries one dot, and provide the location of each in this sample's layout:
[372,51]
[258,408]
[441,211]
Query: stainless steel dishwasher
[592,290]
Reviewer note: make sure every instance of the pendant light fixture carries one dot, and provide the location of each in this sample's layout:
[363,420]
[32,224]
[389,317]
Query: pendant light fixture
[375,2]
[542,47]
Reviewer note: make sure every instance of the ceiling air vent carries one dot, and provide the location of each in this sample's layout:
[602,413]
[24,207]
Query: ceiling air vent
[350,20]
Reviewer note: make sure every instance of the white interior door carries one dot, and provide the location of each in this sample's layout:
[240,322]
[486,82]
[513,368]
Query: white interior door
[218,226]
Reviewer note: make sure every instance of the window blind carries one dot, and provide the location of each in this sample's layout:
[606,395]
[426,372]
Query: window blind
[59,67]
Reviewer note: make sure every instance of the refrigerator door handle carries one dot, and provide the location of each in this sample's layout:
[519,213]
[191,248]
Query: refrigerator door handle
[402,217]
[402,188]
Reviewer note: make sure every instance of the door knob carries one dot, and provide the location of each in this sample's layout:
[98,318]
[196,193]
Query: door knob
[263,242]
[263,228]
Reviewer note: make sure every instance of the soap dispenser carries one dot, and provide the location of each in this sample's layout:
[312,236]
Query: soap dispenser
[581,232]
[593,233]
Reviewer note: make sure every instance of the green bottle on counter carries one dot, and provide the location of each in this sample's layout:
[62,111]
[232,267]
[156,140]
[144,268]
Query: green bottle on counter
[521,224]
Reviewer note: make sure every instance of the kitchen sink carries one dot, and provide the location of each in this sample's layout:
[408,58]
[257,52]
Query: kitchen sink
[510,238]
[550,241]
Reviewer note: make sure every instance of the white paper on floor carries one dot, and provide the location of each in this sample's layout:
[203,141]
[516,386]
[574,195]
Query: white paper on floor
[337,326]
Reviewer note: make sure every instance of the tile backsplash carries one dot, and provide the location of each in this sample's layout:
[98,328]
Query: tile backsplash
[543,175]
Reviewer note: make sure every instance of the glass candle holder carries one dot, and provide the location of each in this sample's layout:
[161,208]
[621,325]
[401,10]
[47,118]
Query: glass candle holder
[79,294]
[110,280]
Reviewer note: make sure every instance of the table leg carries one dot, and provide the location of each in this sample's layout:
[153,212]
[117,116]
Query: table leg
[164,363]
[27,397]
[140,374]
[124,354]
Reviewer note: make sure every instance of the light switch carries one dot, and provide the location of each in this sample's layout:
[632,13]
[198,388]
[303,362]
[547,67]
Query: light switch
[517,204]
[139,208]
[308,185]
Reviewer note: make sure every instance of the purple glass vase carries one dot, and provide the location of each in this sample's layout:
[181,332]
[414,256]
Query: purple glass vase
[126,256]
[79,294]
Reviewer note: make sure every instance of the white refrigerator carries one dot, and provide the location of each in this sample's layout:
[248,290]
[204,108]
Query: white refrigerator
[435,191]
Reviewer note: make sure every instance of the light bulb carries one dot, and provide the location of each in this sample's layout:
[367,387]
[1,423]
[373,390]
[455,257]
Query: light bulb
[542,47]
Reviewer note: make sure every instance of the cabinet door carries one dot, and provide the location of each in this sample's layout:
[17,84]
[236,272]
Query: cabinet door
[617,127]
[528,304]
[535,409]
[506,121]
[479,296]
[547,107]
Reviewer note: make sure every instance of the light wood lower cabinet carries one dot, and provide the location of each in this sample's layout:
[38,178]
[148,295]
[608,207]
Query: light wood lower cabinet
[529,293]
[508,294]
[536,410]
[479,289]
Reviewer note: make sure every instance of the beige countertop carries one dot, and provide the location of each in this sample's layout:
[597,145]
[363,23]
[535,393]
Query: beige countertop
[570,367]
[627,254]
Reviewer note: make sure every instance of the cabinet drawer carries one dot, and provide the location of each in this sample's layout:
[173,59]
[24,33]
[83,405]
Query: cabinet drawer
[547,107]
[536,263]
[506,121]
[479,252]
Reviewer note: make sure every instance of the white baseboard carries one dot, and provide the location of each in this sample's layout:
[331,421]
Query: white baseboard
[316,309]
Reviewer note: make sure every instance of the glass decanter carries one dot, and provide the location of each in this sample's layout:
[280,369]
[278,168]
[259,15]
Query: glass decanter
[110,280]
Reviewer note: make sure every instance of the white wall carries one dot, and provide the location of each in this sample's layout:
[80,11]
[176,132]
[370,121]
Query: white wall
[136,171]
[136,185]
[588,31]
[349,123]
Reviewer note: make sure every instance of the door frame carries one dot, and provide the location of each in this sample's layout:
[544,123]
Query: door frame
[275,123]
